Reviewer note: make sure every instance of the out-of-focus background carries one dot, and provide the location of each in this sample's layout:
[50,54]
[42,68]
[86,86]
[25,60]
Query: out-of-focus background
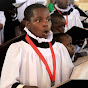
[5,4]
[83,4]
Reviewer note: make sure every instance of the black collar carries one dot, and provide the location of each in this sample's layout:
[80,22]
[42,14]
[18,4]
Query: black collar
[41,45]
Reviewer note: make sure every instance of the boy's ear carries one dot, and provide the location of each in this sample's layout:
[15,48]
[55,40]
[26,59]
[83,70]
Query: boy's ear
[27,24]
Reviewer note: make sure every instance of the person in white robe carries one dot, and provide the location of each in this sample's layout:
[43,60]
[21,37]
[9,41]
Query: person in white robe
[22,4]
[71,14]
[23,67]
[2,23]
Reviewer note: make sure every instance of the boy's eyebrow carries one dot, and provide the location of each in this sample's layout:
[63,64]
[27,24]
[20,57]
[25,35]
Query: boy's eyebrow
[41,17]
[48,16]
[38,17]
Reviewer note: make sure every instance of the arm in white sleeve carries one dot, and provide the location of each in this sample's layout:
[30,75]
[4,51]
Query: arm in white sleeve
[10,71]
[67,65]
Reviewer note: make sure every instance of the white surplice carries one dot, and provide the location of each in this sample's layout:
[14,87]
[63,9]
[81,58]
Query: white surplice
[23,65]
[73,17]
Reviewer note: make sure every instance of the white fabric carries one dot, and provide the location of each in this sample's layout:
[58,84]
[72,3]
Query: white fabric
[21,1]
[73,18]
[27,3]
[78,49]
[86,21]
[49,39]
[2,21]
[23,65]
[63,10]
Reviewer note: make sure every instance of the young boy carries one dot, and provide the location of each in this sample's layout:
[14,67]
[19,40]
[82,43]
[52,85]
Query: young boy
[71,14]
[58,26]
[66,40]
[58,23]
[36,62]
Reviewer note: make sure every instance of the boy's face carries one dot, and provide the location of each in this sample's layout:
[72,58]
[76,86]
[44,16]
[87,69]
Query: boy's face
[58,25]
[13,11]
[40,22]
[52,1]
[63,4]
[67,41]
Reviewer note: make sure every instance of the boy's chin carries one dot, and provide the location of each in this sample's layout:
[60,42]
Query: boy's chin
[44,37]
[65,7]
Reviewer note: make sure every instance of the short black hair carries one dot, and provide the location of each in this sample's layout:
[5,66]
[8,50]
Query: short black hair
[28,13]
[56,14]
[59,36]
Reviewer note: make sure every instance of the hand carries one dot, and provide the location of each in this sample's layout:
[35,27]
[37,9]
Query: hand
[1,26]
[30,87]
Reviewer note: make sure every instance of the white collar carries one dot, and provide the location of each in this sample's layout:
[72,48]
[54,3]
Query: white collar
[40,40]
[63,10]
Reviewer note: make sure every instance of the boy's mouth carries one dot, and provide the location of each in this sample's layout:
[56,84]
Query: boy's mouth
[46,33]
[67,4]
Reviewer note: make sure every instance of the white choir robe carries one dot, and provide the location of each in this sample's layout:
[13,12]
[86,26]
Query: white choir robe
[21,9]
[2,21]
[73,17]
[24,66]
[73,20]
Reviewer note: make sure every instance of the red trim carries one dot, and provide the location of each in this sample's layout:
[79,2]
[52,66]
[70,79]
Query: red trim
[67,21]
[54,61]
[52,76]
[58,11]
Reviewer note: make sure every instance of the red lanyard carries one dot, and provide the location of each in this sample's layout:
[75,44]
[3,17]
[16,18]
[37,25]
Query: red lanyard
[66,18]
[67,21]
[52,76]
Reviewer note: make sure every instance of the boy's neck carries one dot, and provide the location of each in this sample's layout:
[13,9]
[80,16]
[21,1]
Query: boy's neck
[40,40]
[61,7]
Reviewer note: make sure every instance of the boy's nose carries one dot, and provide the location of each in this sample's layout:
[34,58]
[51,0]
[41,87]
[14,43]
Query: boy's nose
[63,28]
[45,23]
[67,1]
[72,47]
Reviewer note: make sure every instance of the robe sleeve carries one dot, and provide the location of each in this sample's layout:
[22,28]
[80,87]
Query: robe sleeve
[10,71]
[67,65]
[78,22]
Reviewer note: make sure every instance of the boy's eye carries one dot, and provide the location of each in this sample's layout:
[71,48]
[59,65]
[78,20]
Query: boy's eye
[39,20]
[48,19]
[69,44]
[60,26]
